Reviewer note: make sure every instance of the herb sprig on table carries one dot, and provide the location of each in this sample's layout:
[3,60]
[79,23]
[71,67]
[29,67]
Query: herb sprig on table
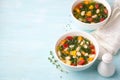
[68,27]
[52,60]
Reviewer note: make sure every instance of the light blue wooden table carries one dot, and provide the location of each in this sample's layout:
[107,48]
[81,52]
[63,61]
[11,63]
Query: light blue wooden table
[28,31]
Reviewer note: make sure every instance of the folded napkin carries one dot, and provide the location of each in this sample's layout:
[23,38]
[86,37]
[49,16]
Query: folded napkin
[108,36]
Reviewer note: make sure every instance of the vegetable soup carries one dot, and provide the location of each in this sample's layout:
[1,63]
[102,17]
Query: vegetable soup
[76,50]
[89,11]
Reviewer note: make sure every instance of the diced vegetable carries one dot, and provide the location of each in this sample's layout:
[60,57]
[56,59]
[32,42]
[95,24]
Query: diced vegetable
[65,52]
[62,42]
[81,58]
[86,2]
[105,11]
[89,13]
[92,46]
[69,37]
[102,19]
[73,53]
[93,51]
[90,59]
[77,10]
[80,38]
[65,45]
[82,62]
[96,5]
[89,19]
[80,5]
[91,7]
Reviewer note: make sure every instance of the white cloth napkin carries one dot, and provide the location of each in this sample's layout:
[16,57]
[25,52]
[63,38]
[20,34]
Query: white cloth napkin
[108,36]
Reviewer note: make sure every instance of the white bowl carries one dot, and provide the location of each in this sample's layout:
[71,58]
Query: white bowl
[92,26]
[77,33]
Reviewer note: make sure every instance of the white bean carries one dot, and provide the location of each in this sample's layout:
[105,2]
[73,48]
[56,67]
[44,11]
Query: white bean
[78,54]
[78,48]
[94,16]
[82,13]
[86,54]
[67,58]
[98,10]
[85,46]
[59,53]
[68,62]
[71,46]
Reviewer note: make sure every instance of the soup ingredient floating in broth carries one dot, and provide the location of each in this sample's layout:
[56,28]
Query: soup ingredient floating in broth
[90,11]
[76,50]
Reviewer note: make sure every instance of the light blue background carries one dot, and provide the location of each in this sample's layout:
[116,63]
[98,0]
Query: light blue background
[28,31]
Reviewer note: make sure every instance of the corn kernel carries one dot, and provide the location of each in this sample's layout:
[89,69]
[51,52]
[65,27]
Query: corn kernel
[90,59]
[62,42]
[80,38]
[86,1]
[77,10]
[91,7]
[73,53]
[89,13]
[81,58]
[68,62]
[65,52]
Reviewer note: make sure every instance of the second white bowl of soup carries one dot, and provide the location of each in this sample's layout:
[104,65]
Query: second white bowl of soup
[76,50]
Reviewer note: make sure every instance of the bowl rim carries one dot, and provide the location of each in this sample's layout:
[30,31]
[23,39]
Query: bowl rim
[82,33]
[104,2]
